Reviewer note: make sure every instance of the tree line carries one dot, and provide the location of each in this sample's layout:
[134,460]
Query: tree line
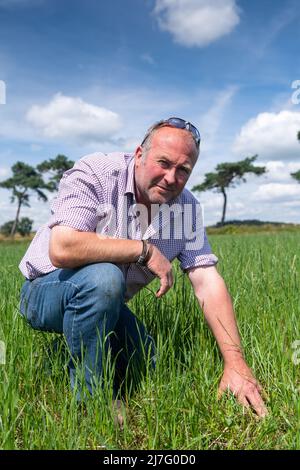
[27,180]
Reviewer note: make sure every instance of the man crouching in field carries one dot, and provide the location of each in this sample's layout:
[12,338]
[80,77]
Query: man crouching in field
[118,222]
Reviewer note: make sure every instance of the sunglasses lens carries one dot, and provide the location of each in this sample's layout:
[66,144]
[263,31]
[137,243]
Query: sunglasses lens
[182,124]
[177,122]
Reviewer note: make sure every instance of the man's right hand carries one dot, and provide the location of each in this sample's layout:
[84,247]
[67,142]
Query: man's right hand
[162,268]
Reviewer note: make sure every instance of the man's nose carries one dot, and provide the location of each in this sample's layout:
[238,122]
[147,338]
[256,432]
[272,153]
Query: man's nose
[170,176]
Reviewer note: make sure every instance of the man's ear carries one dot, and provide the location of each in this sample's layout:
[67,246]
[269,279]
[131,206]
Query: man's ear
[138,154]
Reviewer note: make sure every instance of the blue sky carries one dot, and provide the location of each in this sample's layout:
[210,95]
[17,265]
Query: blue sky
[93,76]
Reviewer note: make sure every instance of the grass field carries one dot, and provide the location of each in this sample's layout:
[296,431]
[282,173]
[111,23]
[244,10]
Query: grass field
[176,408]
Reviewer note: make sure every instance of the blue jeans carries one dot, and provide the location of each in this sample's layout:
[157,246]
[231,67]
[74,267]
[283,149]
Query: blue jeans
[87,306]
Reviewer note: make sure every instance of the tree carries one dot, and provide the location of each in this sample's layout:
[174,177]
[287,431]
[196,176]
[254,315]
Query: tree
[23,228]
[5,229]
[56,168]
[296,175]
[228,175]
[24,181]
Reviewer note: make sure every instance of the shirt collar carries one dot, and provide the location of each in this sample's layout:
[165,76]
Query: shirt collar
[129,189]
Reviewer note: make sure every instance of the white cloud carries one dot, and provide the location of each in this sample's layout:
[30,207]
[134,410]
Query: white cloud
[66,117]
[272,136]
[280,171]
[197,22]
[277,192]
[4,172]
[291,204]
[274,202]
[138,106]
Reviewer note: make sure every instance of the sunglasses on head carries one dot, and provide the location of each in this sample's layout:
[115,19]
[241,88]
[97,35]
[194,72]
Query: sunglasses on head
[179,124]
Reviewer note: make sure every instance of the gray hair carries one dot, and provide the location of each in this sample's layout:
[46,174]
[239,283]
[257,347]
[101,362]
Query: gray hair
[146,142]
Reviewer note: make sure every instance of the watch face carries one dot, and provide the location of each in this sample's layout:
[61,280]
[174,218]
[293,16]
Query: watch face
[141,261]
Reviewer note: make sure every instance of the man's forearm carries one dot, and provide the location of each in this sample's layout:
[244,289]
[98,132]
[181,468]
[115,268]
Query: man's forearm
[219,314]
[215,301]
[71,249]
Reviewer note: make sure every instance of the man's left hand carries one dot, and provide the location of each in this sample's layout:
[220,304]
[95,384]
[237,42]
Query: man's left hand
[239,379]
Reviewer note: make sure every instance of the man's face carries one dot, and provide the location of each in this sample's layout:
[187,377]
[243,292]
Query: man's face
[161,175]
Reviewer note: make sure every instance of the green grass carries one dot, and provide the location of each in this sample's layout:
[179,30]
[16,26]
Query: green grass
[176,408]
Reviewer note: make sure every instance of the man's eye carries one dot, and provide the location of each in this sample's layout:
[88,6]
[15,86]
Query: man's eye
[185,171]
[163,163]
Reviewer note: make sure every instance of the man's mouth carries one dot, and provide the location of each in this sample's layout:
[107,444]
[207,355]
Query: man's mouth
[164,189]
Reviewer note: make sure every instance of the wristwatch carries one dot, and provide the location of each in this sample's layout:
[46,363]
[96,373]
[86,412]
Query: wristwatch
[143,258]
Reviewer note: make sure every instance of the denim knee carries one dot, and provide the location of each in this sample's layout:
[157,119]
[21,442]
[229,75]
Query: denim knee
[105,283]
[107,276]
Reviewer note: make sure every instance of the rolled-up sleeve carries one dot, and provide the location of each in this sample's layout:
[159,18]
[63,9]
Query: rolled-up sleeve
[191,258]
[77,201]
[197,250]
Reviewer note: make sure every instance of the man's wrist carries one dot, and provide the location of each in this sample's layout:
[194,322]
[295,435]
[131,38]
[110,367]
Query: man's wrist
[233,357]
[145,254]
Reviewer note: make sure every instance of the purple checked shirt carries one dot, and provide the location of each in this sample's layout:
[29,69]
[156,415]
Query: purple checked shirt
[98,195]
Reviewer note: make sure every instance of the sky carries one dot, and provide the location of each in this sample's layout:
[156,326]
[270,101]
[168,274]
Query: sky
[78,77]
